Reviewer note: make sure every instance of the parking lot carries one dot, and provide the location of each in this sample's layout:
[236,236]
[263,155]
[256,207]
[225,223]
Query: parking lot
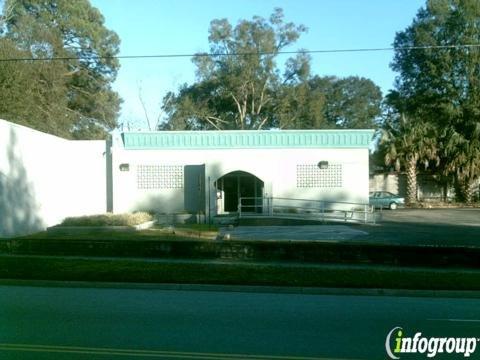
[430,227]
[435,227]
[466,216]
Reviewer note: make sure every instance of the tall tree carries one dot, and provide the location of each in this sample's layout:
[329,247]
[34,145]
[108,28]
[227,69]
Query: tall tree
[33,94]
[66,29]
[299,106]
[407,142]
[351,102]
[240,86]
[237,87]
[438,60]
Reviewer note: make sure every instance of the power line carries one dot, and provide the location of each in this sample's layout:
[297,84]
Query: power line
[160,56]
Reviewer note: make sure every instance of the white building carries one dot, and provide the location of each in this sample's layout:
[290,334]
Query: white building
[174,172]
[208,171]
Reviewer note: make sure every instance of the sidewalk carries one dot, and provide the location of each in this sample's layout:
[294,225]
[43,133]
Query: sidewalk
[325,233]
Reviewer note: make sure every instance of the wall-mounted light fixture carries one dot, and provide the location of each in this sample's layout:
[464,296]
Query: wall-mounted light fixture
[124,167]
[323,164]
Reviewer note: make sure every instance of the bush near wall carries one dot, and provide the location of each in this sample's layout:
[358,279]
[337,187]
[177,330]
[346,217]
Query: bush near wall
[108,220]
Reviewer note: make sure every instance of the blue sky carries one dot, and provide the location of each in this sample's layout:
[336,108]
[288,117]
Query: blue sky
[181,26]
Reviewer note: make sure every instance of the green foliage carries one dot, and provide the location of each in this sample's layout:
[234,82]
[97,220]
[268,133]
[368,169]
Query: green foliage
[442,85]
[237,92]
[407,140]
[350,103]
[300,106]
[32,92]
[241,86]
[199,271]
[207,228]
[71,98]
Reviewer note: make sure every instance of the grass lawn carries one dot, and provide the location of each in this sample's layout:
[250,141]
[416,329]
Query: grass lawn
[197,227]
[189,254]
[236,273]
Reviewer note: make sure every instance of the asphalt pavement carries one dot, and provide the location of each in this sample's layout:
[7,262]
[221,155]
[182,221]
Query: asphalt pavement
[429,227]
[112,323]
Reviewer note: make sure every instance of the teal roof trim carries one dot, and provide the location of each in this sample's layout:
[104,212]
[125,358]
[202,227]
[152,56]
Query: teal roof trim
[270,139]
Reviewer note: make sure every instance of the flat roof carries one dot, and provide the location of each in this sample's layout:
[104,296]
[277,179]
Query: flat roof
[247,139]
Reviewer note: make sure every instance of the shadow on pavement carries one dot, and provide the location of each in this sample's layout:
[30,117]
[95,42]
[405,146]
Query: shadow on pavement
[436,227]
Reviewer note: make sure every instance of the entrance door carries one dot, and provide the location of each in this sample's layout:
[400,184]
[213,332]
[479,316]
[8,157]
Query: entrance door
[240,184]
[194,188]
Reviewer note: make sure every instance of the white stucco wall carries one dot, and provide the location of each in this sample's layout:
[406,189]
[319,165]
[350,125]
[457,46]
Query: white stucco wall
[275,167]
[44,178]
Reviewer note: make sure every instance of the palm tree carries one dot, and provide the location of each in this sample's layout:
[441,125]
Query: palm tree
[406,143]
[462,156]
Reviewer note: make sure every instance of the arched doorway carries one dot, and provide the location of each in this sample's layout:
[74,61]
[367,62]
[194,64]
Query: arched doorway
[239,184]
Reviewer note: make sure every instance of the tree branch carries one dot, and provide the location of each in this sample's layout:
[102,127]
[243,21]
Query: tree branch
[218,119]
[144,107]
[7,14]
[252,109]
[211,122]
[263,122]
[262,94]
[239,107]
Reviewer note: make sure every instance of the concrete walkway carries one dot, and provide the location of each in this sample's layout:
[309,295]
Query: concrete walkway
[306,232]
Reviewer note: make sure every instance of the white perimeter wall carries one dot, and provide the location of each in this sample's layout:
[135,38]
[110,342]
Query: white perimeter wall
[44,178]
[276,167]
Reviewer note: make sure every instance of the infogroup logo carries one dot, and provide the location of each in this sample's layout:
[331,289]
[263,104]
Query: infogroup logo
[397,344]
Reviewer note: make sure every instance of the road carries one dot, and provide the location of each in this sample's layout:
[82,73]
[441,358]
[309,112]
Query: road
[108,323]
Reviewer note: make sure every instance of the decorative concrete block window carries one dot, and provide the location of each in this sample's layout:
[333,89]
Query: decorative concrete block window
[159,176]
[312,176]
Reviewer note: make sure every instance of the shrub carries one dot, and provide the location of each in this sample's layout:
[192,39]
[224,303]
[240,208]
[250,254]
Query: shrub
[108,220]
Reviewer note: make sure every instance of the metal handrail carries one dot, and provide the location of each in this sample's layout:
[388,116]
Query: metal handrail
[315,201]
[267,203]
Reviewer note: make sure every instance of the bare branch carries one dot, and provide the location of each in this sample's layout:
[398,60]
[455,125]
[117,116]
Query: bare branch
[252,110]
[262,123]
[244,106]
[218,119]
[211,123]
[7,14]
[262,95]
[239,107]
[143,106]
[236,102]
[71,73]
